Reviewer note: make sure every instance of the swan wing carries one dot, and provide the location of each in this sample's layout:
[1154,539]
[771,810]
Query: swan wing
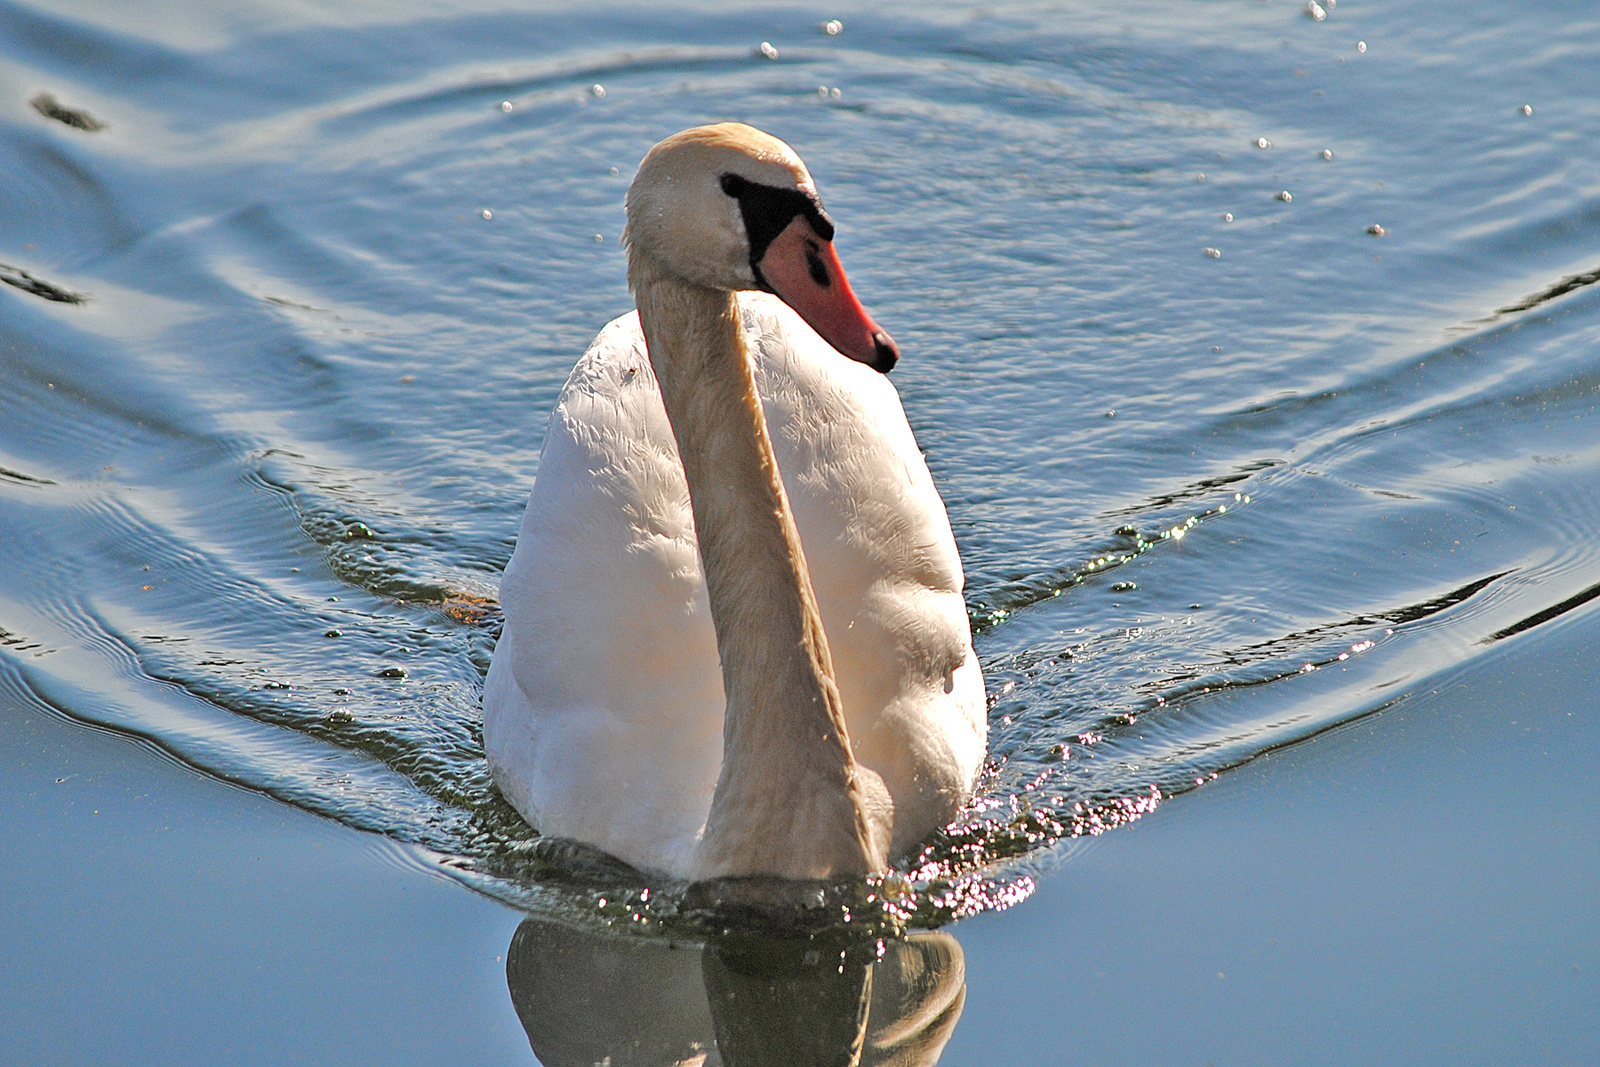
[603,708]
[883,565]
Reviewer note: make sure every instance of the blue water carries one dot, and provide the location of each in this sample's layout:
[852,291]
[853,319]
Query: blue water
[279,341]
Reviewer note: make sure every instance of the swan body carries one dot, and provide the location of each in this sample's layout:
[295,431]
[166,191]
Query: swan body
[795,693]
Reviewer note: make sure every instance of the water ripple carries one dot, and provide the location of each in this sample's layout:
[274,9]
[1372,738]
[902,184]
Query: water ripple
[263,483]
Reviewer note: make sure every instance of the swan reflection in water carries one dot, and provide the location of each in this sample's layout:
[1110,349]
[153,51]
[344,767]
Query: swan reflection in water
[587,998]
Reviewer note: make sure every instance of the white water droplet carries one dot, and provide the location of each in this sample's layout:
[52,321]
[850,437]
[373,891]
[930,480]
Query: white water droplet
[1262,142]
[1214,253]
[1316,11]
[506,106]
[1285,196]
[1327,153]
[486,214]
[1227,216]
[598,91]
[1527,109]
[1361,46]
[768,51]
[833,27]
[1376,230]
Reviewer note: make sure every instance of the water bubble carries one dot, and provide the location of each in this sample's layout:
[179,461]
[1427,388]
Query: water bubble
[1214,253]
[598,91]
[833,27]
[486,214]
[1285,196]
[837,93]
[1376,230]
[822,91]
[1527,109]
[1227,216]
[768,51]
[1262,142]
[613,172]
[599,238]
[1199,177]
[1327,153]
[506,106]
[1315,10]
[1361,46]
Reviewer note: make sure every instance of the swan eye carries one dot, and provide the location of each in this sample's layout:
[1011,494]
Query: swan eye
[768,210]
[814,264]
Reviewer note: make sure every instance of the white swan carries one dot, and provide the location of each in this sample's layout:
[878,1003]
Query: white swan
[807,704]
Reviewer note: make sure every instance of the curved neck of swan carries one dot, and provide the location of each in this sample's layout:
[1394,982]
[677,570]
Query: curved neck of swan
[789,801]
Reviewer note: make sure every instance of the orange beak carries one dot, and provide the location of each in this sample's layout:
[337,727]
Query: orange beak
[804,271]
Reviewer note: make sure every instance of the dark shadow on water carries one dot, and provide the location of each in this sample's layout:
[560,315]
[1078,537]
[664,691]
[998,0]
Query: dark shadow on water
[1577,600]
[587,998]
[18,278]
[51,108]
[1544,296]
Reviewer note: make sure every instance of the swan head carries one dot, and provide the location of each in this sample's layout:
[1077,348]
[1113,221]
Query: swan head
[729,207]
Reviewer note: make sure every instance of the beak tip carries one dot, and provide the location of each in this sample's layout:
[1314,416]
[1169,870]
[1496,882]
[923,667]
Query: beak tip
[885,352]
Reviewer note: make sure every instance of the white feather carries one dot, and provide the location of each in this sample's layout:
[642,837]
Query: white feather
[603,710]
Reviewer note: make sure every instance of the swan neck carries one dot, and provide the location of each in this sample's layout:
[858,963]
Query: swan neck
[789,799]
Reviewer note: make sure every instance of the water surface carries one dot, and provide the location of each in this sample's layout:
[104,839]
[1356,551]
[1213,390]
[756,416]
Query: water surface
[1228,467]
